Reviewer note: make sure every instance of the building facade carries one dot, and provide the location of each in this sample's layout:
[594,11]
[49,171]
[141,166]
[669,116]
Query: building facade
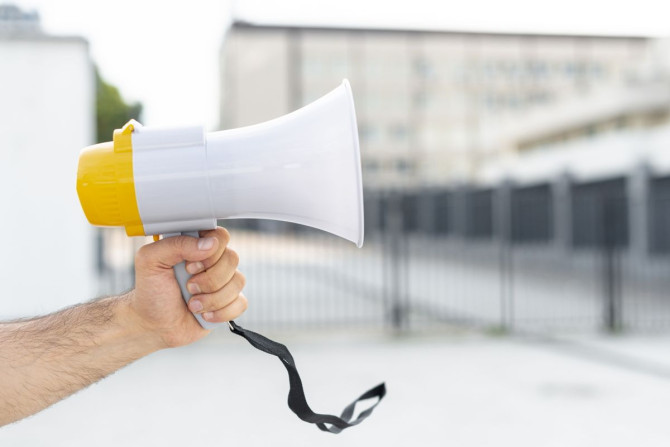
[429,103]
[47,114]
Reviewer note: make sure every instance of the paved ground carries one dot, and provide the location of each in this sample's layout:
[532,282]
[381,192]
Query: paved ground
[452,388]
[449,389]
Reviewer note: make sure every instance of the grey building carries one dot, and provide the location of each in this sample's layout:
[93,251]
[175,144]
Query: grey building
[47,114]
[428,102]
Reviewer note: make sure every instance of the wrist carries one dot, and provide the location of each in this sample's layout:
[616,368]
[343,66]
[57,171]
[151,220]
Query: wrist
[134,328]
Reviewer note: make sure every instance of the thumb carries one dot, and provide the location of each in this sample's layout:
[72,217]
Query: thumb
[173,250]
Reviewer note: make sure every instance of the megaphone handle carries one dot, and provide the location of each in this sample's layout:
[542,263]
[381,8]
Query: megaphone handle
[182,278]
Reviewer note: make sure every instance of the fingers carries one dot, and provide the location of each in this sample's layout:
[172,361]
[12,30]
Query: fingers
[207,302]
[216,285]
[169,252]
[217,276]
[222,235]
[230,312]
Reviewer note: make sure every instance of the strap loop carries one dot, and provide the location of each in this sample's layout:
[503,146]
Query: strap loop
[296,395]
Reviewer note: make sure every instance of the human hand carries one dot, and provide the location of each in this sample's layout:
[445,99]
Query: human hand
[216,286]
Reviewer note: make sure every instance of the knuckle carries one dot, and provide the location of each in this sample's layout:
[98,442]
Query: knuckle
[222,315]
[244,302]
[181,243]
[212,302]
[233,257]
[225,235]
[206,301]
[216,317]
[209,282]
[241,279]
[240,308]
[233,310]
[225,315]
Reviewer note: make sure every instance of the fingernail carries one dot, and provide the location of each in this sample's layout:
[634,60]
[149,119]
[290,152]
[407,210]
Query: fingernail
[193,288]
[208,315]
[195,267]
[195,305]
[205,243]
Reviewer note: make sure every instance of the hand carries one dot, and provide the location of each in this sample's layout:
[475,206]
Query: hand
[216,286]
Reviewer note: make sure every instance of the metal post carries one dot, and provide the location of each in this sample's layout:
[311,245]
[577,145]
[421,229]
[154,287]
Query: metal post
[395,235]
[562,213]
[638,192]
[611,266]
[503,231]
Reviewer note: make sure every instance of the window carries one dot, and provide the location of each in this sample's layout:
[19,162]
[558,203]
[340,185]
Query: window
[368,133]
[403,166]
[399,132]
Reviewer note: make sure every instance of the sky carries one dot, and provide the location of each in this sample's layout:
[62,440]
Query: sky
[166,54]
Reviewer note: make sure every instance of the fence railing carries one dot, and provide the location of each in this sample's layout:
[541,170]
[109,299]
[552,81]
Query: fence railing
[550,257]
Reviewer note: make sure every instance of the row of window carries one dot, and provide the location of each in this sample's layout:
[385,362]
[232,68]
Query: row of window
[438,103]
[399,165]
[457,70]
[599,129]
[370,133]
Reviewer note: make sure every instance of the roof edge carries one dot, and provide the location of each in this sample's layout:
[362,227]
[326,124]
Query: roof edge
[243,24]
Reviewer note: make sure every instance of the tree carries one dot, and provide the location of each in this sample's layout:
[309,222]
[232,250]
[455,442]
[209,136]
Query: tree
[112,112]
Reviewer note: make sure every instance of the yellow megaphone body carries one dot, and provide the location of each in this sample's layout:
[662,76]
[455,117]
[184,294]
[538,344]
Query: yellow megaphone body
[303,167]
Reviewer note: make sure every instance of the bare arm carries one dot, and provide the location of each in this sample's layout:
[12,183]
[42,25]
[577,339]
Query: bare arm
[46,359]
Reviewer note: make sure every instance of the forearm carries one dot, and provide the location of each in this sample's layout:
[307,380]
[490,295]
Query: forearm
[46,359]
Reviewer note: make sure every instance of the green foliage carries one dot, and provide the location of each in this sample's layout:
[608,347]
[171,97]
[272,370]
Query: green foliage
[112,112]
[497,331]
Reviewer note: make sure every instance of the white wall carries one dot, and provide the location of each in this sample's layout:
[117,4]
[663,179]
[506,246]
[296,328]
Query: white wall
[46,116]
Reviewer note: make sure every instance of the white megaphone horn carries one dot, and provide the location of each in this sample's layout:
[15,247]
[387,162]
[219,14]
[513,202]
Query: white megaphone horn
[303,167]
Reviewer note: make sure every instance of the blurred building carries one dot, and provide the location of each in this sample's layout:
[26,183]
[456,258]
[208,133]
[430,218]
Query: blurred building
[429,103]
[47,113]
[603,134]
[608,148]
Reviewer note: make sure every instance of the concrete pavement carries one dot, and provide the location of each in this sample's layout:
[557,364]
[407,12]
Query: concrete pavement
[447,389]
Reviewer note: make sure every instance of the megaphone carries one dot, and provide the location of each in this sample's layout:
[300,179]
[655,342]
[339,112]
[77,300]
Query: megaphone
[303,167]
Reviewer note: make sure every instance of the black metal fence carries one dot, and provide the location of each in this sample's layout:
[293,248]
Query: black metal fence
[561,256]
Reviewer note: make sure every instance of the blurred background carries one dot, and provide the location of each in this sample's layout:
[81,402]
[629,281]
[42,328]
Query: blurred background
[513,286]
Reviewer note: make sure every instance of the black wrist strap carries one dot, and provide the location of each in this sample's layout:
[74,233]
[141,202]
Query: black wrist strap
[296,395]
